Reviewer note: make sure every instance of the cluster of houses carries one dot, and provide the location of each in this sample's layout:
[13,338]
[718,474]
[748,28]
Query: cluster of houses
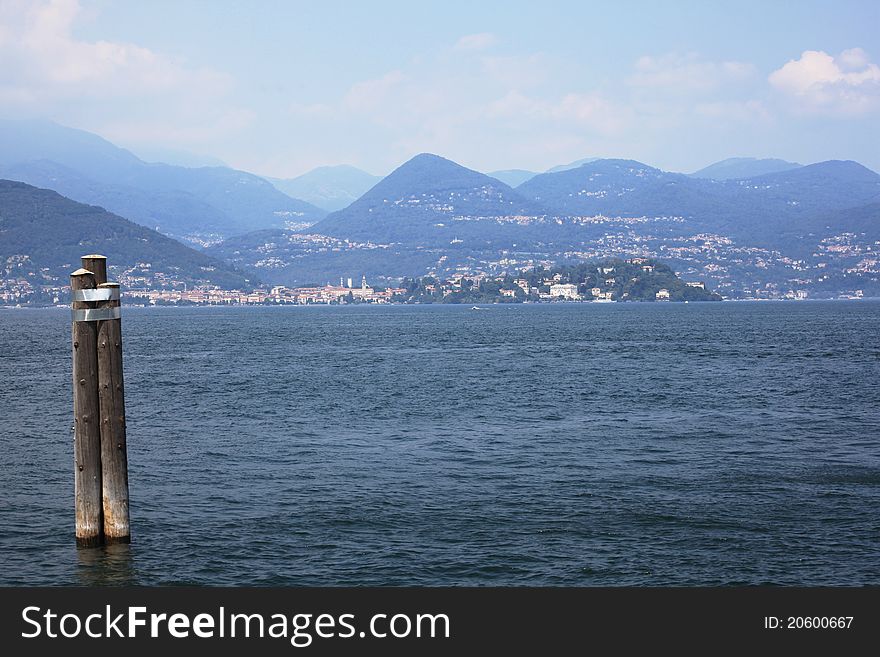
[550,288]
[342,293]
[14,290]
[345,292]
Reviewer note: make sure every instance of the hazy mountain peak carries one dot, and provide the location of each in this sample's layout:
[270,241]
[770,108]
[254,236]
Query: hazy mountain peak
[180,201]
[428,171]
[614,163]
[422,197]
[428,157]
[826,172]
[600,171]
[177,157]
[430,161]
[336,168]
[328,187]
[40,139]
[744,167]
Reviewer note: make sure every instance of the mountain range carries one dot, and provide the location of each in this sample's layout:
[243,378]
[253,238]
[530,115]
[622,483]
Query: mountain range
[431,199]
[431,214]
[332,188]
[195,204]
[761,209]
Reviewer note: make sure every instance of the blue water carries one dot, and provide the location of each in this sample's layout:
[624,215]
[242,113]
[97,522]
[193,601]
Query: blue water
[583,444]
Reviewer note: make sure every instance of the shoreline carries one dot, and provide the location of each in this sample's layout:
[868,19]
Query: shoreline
[462,305]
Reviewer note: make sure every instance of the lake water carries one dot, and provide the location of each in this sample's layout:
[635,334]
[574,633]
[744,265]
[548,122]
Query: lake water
[582,444]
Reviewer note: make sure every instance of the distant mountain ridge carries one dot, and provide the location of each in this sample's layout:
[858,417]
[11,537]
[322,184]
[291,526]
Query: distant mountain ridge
[159,210]
[43,235]
[329,188]
[618,188]
[433,215]
[179,201]
[754,209]
[744,167]
[156,155]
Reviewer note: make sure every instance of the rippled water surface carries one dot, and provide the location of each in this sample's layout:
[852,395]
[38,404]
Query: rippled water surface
[586,444]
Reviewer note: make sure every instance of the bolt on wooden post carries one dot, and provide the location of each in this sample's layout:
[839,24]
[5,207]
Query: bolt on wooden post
[103,314]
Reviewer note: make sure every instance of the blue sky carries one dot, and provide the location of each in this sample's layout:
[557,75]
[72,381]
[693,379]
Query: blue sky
[281,87]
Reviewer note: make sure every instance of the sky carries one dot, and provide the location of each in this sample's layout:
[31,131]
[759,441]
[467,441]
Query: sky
[278,88]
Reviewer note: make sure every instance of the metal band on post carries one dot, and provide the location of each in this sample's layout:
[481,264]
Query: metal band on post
[101,294]
[96,314]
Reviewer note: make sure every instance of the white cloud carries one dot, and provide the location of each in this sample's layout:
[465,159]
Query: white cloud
[310,110]
[740,111]
[145,130]
[593,109]
[847,85]
[580,111]
[48,61]
[690,72]
[497,106]
[853,59]
[122,90]
[517,71]
[479,41]
[514,104]
[373,94]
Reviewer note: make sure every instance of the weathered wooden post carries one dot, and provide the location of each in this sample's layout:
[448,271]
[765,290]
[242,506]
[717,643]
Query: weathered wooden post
[97,264]
[114,456]
[87,430]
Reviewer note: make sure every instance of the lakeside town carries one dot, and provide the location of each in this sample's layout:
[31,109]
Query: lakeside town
[343,292]
[633,279]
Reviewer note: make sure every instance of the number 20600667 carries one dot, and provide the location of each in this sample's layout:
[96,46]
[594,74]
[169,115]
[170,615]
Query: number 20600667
[808,622]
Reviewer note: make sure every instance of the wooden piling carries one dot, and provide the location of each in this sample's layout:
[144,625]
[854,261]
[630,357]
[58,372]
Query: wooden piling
[101,483]
[114,458]
[87,431]
[97,264]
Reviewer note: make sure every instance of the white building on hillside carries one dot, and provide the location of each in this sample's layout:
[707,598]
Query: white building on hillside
[565,291]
